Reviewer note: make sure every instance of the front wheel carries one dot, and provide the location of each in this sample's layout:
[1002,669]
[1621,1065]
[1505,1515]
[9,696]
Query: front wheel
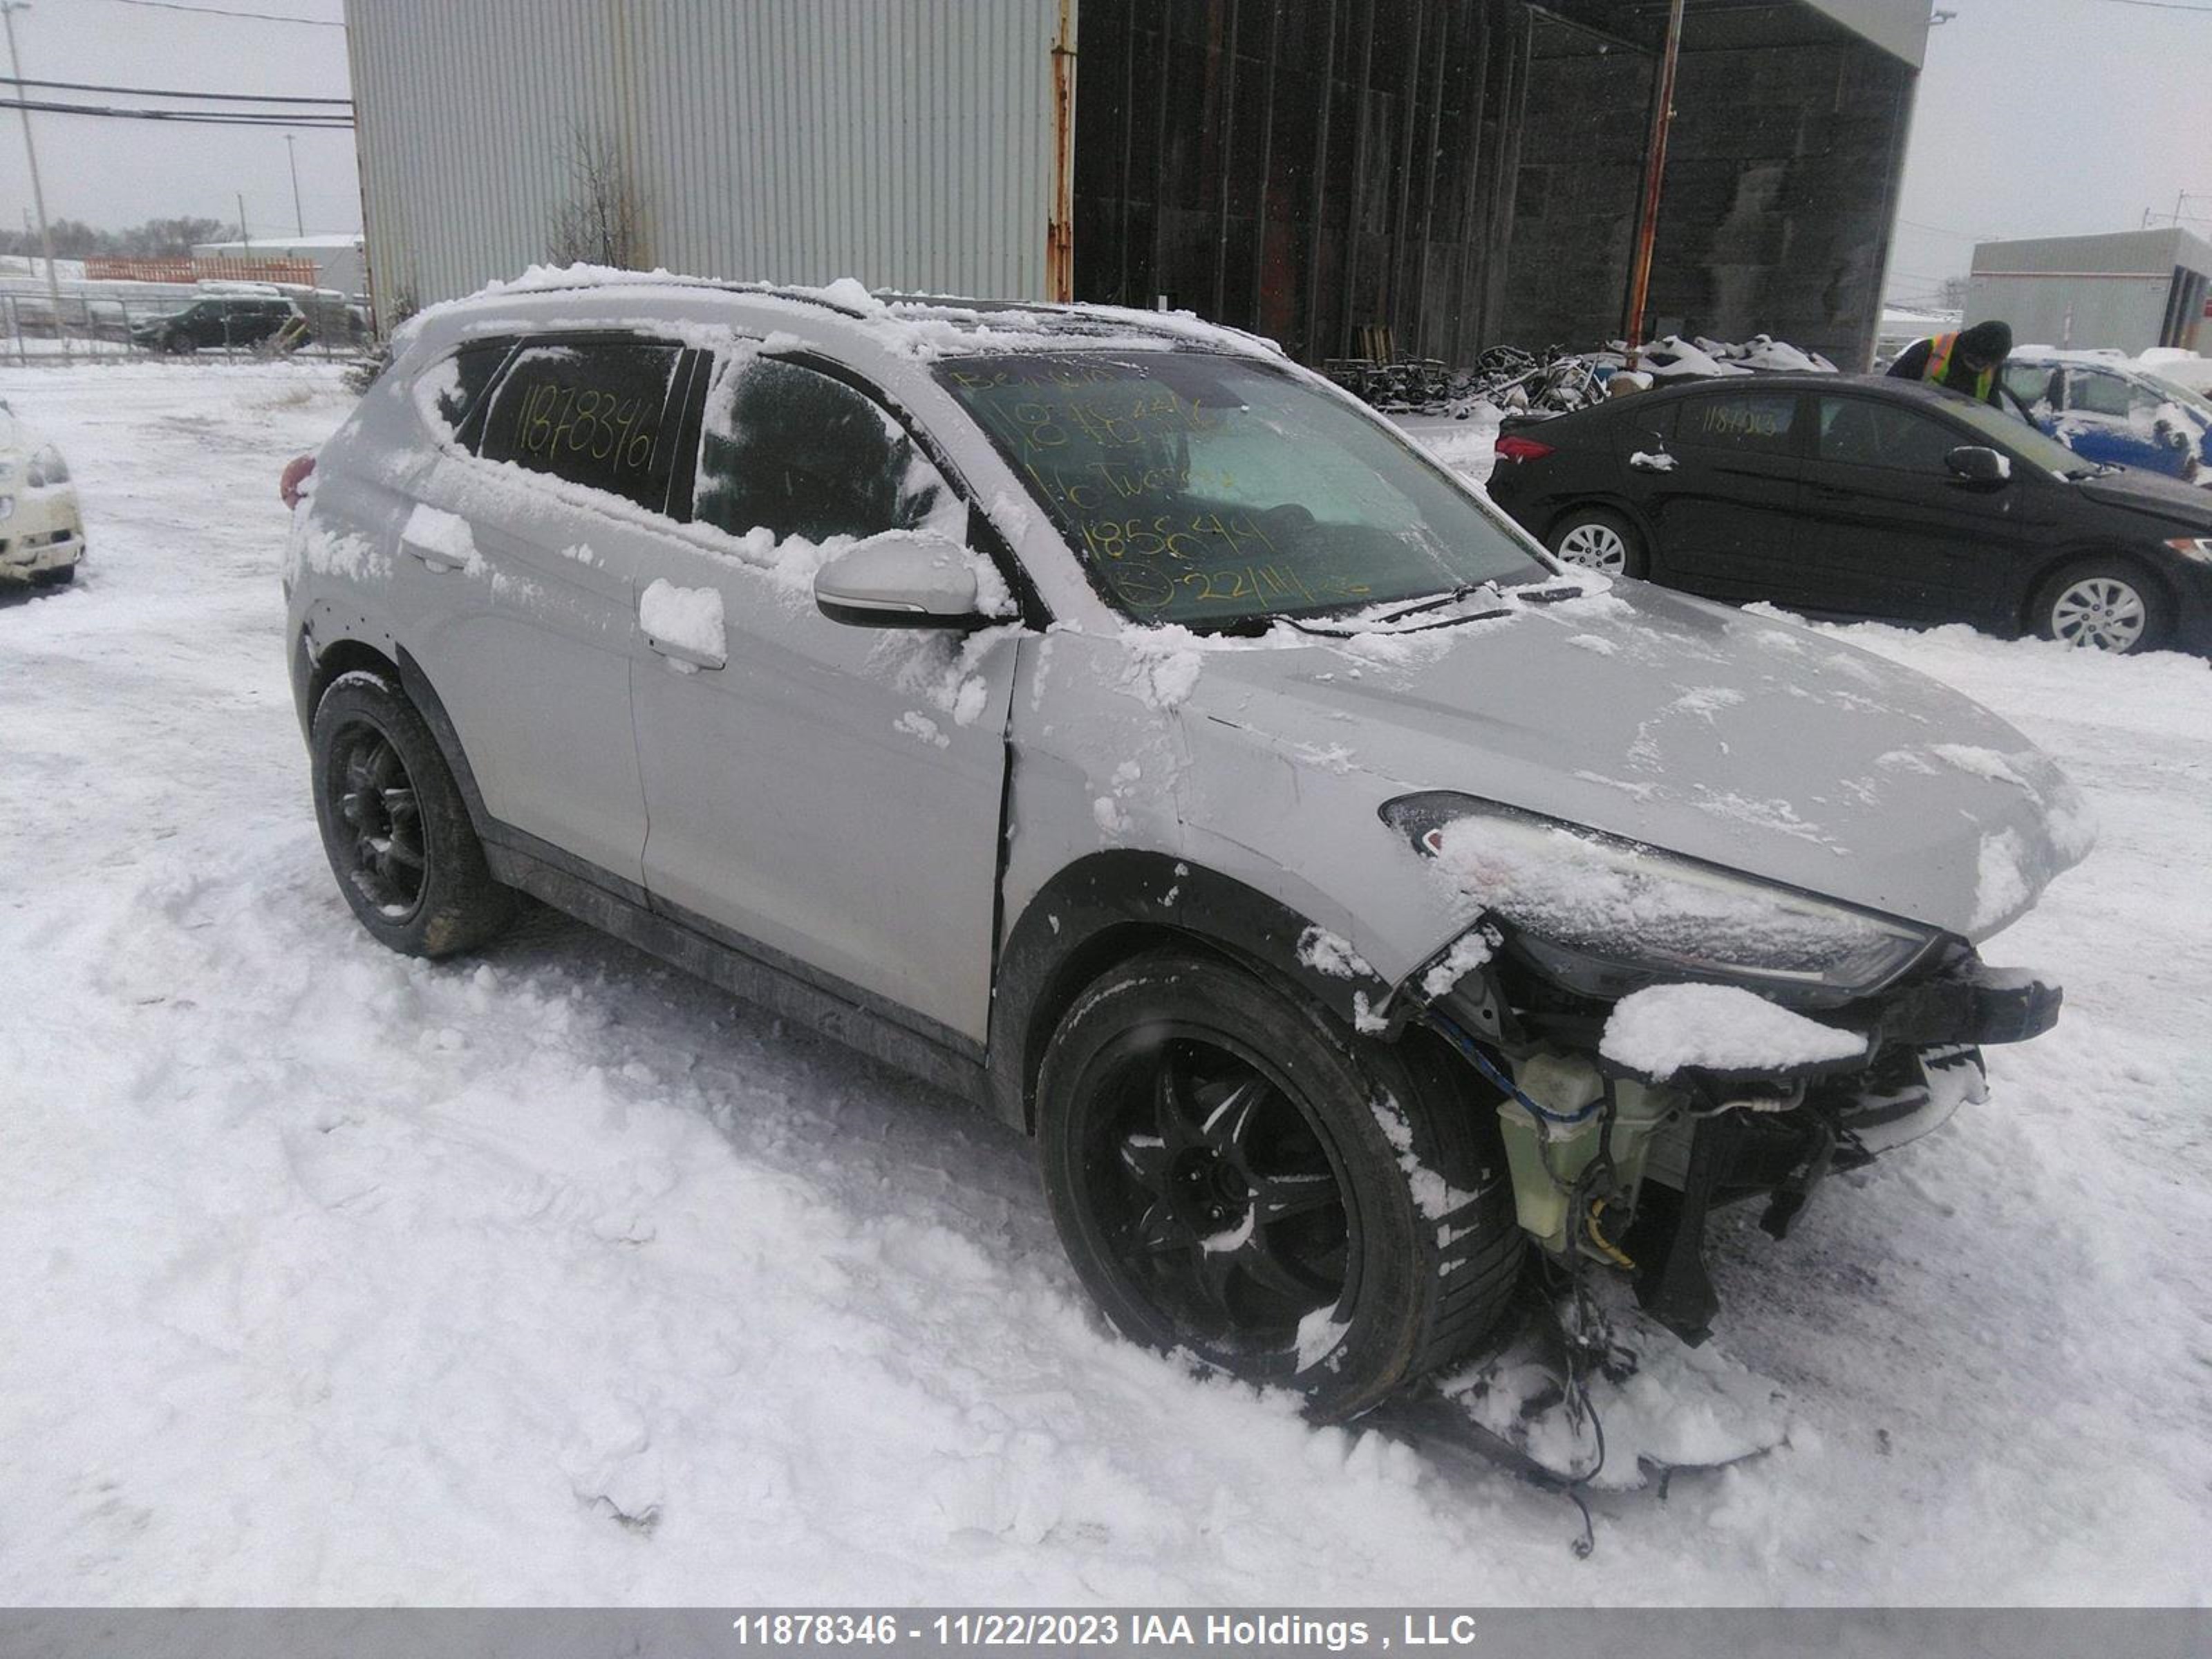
[1237,1175]
[394,826]
[2102,604]
[1600,540]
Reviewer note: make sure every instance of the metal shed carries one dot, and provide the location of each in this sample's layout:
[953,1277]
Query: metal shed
[2132,290]
[1419,176]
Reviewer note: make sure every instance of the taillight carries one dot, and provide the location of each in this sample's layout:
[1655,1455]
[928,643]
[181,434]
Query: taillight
[1514,447]
[295,474]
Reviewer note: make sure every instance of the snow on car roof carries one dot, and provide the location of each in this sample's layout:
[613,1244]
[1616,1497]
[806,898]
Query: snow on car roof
[916,325]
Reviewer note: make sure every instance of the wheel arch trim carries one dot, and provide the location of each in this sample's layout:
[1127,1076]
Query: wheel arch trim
[1110,906]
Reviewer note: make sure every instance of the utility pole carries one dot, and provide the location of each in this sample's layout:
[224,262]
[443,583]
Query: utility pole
[1655,177]
[8,11]
[298,219]
[244,235]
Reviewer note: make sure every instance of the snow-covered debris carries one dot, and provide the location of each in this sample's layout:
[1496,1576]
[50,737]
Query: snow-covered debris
[1653,460]
[1665,1028]
[1327,953]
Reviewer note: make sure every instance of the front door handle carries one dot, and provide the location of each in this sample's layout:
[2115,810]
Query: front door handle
[688,655]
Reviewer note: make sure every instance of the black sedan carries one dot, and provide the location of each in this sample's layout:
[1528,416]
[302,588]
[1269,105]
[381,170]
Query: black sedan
[1850,497]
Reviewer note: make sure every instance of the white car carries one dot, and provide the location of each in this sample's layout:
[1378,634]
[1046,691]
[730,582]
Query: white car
[41,532]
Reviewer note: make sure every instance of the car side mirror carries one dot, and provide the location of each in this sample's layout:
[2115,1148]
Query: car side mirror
[1973,463]
[900,578]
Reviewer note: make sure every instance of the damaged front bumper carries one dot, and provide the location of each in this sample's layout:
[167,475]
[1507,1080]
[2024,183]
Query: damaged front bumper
[1625,1168]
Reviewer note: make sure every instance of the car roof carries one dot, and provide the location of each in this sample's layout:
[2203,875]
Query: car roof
[915,325]
[1916,392]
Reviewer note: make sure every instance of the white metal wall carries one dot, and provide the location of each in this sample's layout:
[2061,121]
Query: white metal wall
[907,143]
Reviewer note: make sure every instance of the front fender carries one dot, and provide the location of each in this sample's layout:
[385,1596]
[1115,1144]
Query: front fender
[1110,905]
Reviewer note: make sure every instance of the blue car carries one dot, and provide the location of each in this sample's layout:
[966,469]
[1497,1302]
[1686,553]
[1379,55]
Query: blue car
[2108,412]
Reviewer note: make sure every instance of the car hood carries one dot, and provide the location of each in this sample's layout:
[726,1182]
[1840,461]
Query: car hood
[2153,493]
[1736,738]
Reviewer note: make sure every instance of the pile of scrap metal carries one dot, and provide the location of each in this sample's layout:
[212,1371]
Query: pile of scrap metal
[1506,379]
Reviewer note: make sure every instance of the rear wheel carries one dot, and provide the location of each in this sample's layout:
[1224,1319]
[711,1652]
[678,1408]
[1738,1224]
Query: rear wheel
[2102,605]
[1600,540]
[1235,1174]
[394,826]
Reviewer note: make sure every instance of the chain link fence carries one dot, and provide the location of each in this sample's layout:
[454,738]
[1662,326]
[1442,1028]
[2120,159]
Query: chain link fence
[118,324]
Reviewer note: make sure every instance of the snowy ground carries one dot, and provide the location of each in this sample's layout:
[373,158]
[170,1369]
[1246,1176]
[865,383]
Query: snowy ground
[327,1276]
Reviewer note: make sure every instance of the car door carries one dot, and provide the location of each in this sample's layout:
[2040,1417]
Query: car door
[1726,512]
[1895,531]
[826,796]
[517,580]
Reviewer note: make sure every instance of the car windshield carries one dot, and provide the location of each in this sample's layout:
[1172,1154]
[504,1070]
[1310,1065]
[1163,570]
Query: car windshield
[2181,394]
[2018,437]
[1215,491]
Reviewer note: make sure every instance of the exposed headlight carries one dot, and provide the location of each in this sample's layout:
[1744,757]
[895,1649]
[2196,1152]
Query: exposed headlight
[1601,913]
[2198,548]
[46,467]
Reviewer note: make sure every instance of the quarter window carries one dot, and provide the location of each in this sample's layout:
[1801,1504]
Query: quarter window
[1750,422]
[788,450]
[2107,394]
[450,388]
[597,413]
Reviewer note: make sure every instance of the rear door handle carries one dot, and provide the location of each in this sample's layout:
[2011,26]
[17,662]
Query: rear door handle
[429,556]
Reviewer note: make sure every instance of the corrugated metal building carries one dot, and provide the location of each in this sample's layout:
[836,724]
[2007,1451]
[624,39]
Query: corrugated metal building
[2132,290]
[1439,174]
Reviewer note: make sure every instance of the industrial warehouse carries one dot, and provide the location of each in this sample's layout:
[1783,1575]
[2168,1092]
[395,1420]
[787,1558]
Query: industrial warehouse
[1352,178]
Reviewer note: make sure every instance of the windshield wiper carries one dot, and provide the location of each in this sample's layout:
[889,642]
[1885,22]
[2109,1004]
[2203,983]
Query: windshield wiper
[1465,590]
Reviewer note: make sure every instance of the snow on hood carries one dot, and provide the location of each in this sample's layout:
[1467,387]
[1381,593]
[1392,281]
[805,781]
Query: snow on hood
[1731,736]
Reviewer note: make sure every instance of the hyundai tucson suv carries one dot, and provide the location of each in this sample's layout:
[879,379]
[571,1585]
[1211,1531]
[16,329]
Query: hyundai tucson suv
[1098,716]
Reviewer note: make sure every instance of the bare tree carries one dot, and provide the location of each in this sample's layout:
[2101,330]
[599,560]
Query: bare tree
[599,220]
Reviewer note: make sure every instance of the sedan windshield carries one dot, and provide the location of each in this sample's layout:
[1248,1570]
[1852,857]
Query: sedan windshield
[1215,491]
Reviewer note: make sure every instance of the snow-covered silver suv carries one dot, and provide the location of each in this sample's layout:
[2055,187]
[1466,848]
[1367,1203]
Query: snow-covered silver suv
[1094,713]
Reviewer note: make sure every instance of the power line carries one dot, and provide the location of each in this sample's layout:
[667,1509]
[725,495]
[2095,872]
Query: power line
[192,116]
[158,92]
[220,11]
[2160,5]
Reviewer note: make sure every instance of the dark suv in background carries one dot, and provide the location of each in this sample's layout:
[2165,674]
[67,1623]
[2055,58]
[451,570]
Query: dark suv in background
[218,320]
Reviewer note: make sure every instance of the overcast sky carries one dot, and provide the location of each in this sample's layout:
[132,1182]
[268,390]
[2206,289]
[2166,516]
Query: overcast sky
[2034,118]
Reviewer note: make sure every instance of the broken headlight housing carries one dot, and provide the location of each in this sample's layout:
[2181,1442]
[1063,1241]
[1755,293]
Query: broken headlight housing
[1604,915]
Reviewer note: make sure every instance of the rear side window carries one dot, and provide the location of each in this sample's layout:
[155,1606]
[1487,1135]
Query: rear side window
[594,412]
[796,452]
[1750,422]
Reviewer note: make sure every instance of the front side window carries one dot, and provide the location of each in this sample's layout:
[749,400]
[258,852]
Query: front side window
[2109,395]
[1749,422]
[2031,383]
[1859,432]
[1215,491]
[794,451]
[595,412]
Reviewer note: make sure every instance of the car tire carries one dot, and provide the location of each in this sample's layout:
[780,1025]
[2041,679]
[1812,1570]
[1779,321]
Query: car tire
[2104,605]
[394,825]
[59,576]
[179,345]
[1597,539]
[1181,1094]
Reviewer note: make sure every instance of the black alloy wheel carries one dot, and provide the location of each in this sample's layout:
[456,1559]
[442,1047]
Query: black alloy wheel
[1239,1177]
[375,798]
[1218,1193]
[395,828]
